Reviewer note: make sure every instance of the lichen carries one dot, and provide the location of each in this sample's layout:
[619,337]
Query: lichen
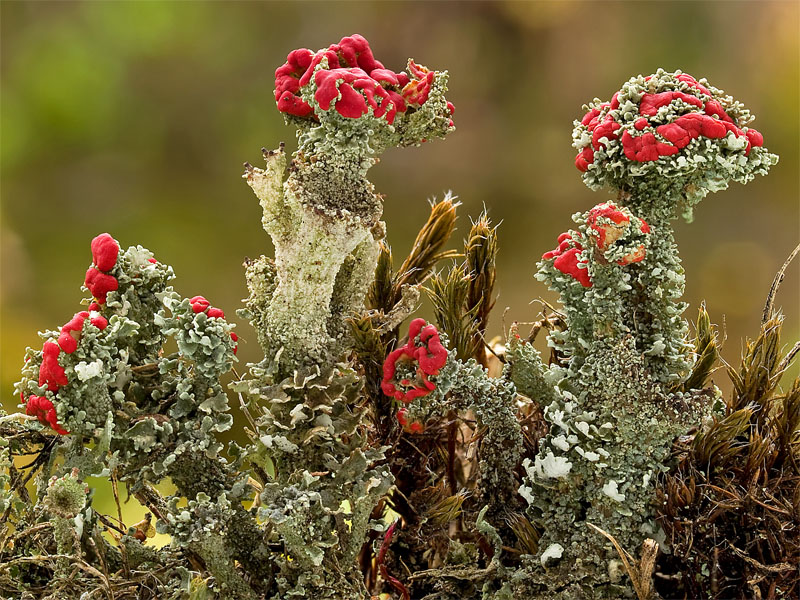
[614,404]
[436,465]
[325,219]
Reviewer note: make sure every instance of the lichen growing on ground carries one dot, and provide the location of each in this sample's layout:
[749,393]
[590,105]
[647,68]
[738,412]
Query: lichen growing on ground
[426,462]
[661,144]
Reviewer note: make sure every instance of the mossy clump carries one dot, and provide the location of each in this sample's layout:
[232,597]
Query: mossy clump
[731,507]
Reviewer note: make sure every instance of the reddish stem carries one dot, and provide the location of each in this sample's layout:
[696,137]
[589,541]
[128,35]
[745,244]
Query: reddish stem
[393,581]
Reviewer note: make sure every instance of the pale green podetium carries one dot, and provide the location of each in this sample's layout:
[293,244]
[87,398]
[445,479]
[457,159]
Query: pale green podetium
[324,221]
[616,400]
[65,500]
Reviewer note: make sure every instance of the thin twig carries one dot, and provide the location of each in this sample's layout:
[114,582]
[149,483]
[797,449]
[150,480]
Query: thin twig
[115,489]
[776,283]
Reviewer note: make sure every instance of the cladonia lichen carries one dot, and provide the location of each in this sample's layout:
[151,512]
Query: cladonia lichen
[324,220]
[615,403]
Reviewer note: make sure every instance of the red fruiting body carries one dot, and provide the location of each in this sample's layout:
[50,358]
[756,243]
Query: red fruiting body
[424,356]
[349,103]
[707,119]
[650,103]
[333,63]
[105,250]
[634,257]
[605,129]
[686,78]
[76,323]
[215,313]
[564,243]
[568,263]
[287,83]
[386,77]
[567,259]
[641,148]
[43,409]
[199,304]
[100,284]
[353,82]
[432,355]
[235,339]
[152,260]
[756,139]
[71,332]
[611,212]
[402,416]
[590,118]
[293,105]
[688,127]
[416,92]
[343,87]
[51,373]
[714,108]
[607,234]
[584,159]
[413,427]
[422,385]
[94,306]
[416,427]
[100,322]
[354,50]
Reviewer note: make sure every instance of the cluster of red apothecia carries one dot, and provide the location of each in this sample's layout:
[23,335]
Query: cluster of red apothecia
[709,120]
[105,251]
[414,363]
[100,281]
[353,79]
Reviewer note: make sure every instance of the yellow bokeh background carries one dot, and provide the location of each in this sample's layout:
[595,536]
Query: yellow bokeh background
[135,117]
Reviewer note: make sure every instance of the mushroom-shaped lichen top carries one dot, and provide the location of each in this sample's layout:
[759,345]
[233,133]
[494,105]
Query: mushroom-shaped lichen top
[342,93]
[668,136]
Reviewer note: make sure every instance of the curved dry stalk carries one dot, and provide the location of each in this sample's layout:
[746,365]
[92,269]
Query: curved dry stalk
[641,575]
[776,283]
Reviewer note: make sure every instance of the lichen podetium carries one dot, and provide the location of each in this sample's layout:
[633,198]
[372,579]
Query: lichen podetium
[325,219]
[661,144]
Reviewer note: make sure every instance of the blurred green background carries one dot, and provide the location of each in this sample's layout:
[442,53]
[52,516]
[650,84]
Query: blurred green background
[135,117]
